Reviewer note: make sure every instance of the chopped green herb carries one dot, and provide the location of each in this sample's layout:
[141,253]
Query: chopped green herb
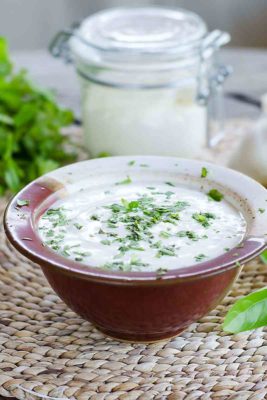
[161,271]
[200,257]
[103,154]
[144,165]
[106,242]
[203,218]
[78,226]
[170,184]
[215,195]
[112,225]
[190,234]
[94,218]
[261,210]
[129,206]
[169,194]
[164,234]
[22,202]
[166,251]
[204,172]
[126,181]
[131,163]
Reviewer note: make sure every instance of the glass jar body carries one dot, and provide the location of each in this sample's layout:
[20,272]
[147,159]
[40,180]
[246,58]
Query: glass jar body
[134,115]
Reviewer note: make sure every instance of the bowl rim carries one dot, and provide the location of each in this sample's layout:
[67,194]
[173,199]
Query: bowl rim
[19,226]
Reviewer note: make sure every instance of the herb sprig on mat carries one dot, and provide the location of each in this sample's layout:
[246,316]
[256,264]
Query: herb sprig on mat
[249,312]
[30,122]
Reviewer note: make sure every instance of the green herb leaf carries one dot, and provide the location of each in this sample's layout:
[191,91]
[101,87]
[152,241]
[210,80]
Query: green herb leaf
[200,257]
[131,163]
[248,313]
[170,184]
[78,226]
[215,195]
[204,172]
[22,202]
[263,257]
[261,210]
[125,181]
[31,142]
[161,271]
[203,218]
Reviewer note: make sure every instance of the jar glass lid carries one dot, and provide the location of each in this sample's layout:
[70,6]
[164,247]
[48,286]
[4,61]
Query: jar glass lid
[145,29]
[137,32]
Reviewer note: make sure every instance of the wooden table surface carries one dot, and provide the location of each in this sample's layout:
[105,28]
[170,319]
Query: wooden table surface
[249,77]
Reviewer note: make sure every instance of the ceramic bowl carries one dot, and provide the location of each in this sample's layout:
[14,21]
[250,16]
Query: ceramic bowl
[138,306]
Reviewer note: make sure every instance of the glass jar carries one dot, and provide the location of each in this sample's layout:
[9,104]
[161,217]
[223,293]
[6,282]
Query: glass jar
[150,80]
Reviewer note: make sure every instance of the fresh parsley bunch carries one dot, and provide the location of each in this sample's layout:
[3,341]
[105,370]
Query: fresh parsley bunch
[30,123]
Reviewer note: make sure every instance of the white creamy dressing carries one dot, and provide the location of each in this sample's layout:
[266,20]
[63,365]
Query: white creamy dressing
[82,227]
[166,122]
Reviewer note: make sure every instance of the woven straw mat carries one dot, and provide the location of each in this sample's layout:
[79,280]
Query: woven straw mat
[47,351]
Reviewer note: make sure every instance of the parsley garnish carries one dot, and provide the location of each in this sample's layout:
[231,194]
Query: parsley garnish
[164,234]
[215,195]
[200,257]
[161,271]
[166,251]
[170,184]
[124,181]
[106,242]
[190,234]
[203,218]
[131,163]
[22,202]
[78,226]
[94,217]
[204,172]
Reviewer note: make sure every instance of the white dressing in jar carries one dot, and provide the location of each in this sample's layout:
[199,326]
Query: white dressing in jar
[147,76]
[159,122]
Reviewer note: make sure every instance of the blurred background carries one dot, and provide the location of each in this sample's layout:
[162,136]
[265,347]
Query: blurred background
[29,26]
[244,19]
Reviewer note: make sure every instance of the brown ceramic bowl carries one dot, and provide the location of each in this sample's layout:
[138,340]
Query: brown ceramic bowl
[138,306]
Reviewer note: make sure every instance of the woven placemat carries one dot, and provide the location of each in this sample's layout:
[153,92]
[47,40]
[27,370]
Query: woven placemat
[47,351]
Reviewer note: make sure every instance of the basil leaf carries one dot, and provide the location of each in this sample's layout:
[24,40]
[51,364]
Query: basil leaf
[248,313]
[263,257]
